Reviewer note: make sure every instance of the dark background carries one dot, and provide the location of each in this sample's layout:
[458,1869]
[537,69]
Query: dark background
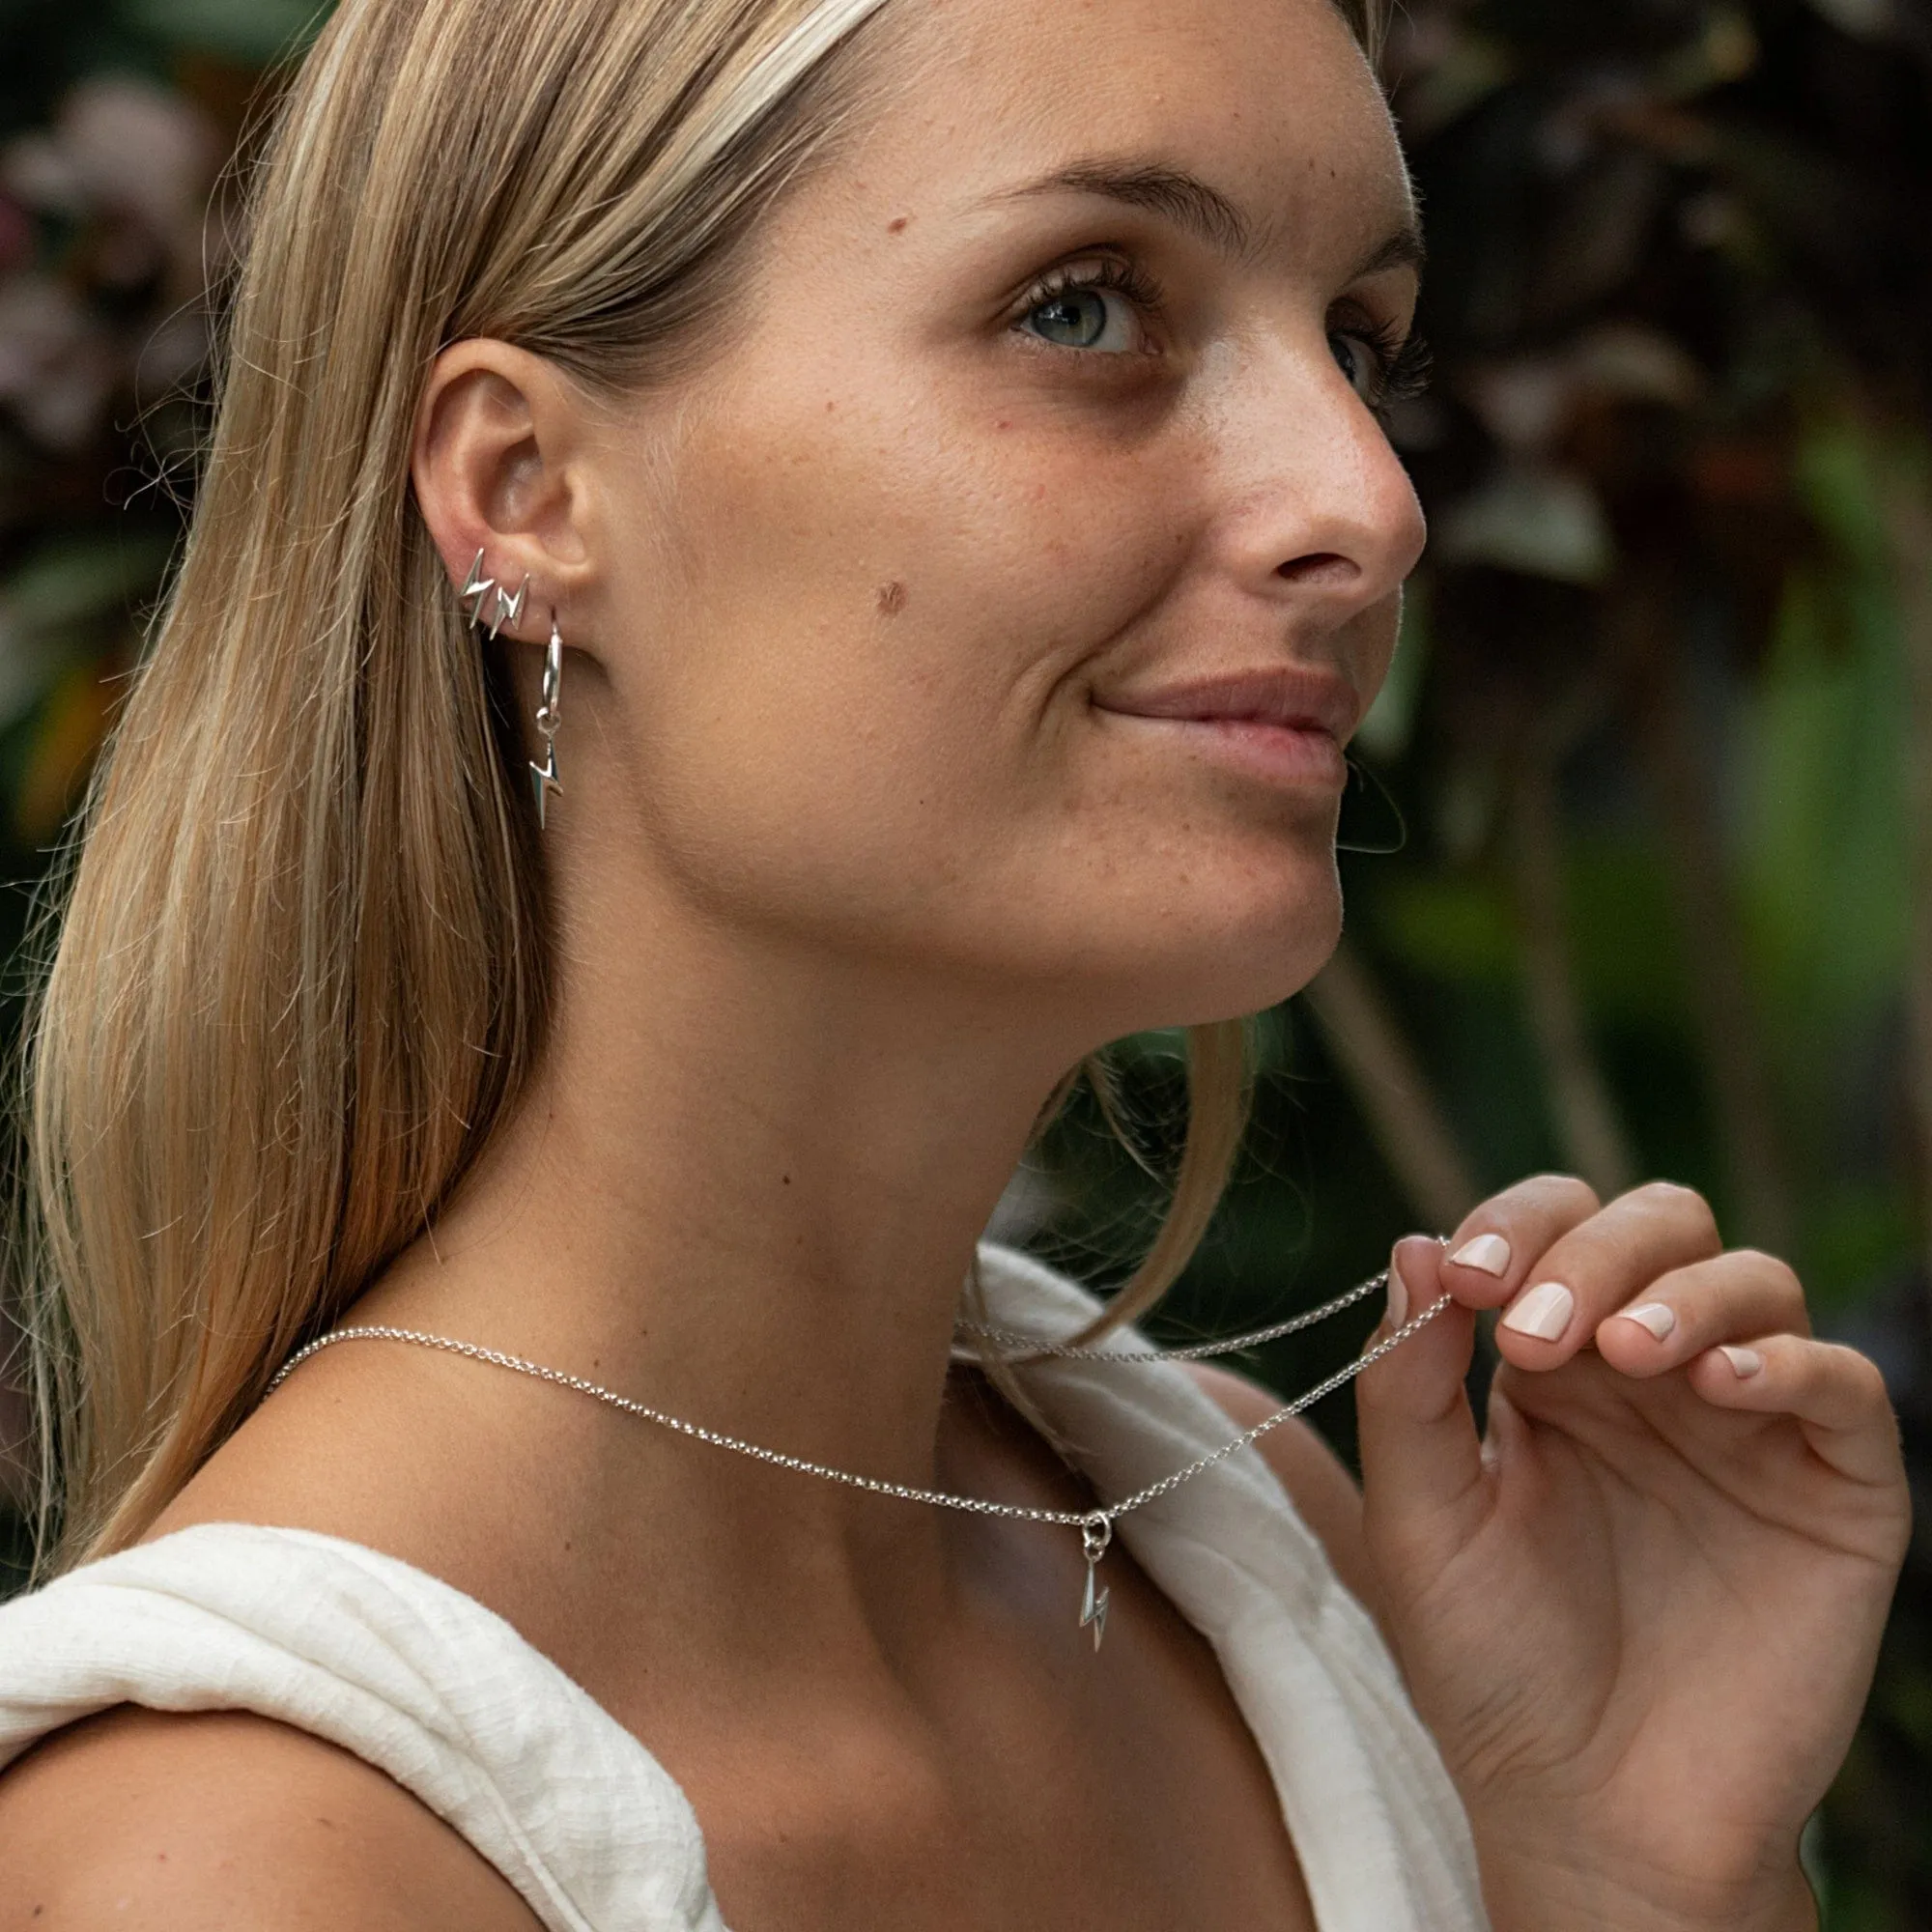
[1643,877]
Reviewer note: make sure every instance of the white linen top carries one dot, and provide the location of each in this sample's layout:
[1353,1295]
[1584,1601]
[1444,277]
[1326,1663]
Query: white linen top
[427,1685]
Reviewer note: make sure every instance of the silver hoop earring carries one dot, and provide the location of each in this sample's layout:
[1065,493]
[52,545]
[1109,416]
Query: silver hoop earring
[545,777]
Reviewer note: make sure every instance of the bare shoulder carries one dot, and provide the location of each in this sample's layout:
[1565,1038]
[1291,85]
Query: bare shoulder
[1317,1484]
[140,1820]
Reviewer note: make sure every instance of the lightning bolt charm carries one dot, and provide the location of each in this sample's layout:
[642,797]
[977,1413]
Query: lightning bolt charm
[545,779]
[1095,1533]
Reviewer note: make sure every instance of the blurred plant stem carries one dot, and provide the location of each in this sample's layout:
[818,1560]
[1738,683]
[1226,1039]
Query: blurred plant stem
[1388,1083]
[1724,1006]
[1584,1114]
[1908,516]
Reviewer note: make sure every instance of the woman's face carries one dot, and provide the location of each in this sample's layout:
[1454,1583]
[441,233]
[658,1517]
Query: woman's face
[995,606]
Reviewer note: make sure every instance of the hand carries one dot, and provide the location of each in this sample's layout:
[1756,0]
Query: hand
[1641,1618]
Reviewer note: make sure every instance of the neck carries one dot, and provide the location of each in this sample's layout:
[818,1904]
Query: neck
[751,1197]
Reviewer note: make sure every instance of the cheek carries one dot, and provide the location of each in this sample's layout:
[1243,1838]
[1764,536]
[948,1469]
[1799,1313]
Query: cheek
[861,713]
[950,541]
[866,676]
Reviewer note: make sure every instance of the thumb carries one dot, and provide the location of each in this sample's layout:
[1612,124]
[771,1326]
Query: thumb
[1423,1485]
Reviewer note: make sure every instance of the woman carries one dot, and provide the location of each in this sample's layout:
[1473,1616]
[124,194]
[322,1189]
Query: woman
[916,474]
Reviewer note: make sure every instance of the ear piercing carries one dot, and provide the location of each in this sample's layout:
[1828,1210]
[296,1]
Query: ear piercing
[545,777]
[508,608]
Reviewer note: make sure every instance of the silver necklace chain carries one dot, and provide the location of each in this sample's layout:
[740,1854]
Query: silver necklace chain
[1028,1347]
[1095,1525]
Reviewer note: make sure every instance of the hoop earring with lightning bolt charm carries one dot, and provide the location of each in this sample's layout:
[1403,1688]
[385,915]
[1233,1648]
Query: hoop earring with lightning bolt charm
[545,777]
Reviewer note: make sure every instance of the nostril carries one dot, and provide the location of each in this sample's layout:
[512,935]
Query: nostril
[1322,567]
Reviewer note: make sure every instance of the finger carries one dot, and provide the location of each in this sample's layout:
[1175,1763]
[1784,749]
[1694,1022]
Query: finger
[1602,1266]
[1836,1394]
[1421,1461]
[1491,1254]
[1689,1310]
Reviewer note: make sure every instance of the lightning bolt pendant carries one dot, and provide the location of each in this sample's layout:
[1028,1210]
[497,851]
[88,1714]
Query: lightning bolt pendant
[1095,1533]
[1093,1610]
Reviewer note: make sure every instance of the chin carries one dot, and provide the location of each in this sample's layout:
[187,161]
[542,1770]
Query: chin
[1231,969]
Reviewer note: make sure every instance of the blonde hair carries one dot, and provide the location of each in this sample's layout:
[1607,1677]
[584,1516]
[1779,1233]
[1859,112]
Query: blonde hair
[301,961]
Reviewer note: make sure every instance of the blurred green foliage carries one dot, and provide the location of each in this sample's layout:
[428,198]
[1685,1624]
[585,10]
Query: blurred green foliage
[1642,870]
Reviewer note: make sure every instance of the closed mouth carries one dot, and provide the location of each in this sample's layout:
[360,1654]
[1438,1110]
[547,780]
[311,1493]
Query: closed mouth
[1287,699]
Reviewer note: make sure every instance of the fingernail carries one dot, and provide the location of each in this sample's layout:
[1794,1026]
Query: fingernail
[1545,1312]
[1398,1304]
[1748,1362]
[1661,1321]
[1488,1254]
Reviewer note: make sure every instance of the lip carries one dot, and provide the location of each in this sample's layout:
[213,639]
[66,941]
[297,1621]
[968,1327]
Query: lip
[1281,722]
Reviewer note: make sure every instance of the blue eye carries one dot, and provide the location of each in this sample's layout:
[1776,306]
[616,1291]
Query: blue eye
[1076,317]
[1102,311]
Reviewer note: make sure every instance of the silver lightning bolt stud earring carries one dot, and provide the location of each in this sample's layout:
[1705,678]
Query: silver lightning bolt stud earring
[545,777]
[479,587]
[508,608]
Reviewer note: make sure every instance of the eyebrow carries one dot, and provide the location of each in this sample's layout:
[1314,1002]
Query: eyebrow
[1185,199]
[1403,249]
[1198,207]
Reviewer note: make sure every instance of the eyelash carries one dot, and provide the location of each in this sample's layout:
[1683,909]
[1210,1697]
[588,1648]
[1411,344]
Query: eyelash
[1110,272]
[1407,360]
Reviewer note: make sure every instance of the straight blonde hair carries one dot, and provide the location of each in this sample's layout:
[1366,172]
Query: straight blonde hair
[302,948]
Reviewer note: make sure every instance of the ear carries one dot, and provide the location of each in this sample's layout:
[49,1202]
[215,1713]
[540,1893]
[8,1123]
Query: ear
[499,463]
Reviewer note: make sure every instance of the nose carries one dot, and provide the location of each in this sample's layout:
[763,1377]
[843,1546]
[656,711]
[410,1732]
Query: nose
[1321,513]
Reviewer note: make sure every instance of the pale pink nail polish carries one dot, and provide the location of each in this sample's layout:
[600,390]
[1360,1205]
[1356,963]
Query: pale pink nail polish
[1397,1301]
[1487,1254]
[1748,1362]
[1661,1321]
[1543,1312]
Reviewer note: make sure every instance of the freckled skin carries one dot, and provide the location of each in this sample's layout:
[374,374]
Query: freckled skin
[1074,525]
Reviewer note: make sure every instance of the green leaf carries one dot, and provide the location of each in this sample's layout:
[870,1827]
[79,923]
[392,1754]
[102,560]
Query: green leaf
[1827,855]
[1855,1235]
[1623,932]
[1454,929]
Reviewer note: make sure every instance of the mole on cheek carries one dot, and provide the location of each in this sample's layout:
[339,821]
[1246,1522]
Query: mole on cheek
[891,598]
[897,226]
